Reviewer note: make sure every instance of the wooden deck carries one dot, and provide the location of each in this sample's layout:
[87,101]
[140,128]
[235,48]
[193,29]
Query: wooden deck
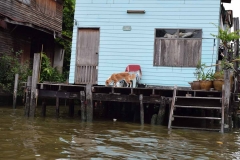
[181,99]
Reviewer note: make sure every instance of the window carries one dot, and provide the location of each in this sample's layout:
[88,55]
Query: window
[177,47]
[27,2]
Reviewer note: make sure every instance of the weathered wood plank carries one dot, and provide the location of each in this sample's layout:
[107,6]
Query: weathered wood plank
[35,76]
[157,52]
[197,51]
[125,98]
[180,52]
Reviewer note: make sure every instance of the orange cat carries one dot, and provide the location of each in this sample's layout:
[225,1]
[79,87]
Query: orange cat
[116,77]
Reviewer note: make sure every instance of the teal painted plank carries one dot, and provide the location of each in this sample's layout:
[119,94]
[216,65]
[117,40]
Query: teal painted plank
[147,2]
[82,17]
[146,20]
[149,13]
[152,9]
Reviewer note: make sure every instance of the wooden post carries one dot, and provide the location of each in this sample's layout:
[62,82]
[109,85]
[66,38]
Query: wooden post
[83,107]
[236,65]
[35,75]
[223,108]
[172,107]
[57,103]
[28,95]
[15,91]
[236,45]
[89,103]
[141,109]
[43,108]
[226,97]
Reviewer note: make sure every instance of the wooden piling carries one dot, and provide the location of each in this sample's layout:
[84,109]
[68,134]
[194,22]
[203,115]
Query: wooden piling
[43,113]
[89,103]
[222,110]
[57,103]
[57,107]
[28,96]
[226,98]
[83,107]
[35,77]
[15,90]
[172,108]
[141,109]
[161,111]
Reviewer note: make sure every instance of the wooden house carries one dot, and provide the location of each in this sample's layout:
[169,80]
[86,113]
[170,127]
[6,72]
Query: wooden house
[166,38]
[31,26]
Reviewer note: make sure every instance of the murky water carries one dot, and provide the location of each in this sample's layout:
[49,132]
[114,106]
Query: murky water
[68,138]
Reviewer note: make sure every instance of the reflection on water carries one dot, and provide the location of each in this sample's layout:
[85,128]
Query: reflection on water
[68,138]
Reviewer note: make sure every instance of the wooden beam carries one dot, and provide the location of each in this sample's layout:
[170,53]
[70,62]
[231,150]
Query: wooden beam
[15,91]
[89,100]
[35,75]
[125,98]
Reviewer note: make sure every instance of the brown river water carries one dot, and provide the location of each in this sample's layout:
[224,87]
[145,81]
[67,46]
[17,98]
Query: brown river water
[67,138]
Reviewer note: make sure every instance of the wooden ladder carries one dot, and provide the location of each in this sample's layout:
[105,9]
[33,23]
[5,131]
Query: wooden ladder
[204,106]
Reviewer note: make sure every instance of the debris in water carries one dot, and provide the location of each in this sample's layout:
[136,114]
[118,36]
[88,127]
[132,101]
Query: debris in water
[219,142]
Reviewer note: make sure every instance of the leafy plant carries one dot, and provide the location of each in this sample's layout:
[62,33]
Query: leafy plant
[226,35]
[197,72]
[48,73]
[10,65]
[202,75]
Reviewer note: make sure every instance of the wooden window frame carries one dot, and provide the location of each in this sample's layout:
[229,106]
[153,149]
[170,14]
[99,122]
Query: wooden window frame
[25,2]
[178,39]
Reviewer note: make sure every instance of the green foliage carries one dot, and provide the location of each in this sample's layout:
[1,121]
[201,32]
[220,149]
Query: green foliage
[68,20]
[226,35]
[201,74]
[198,70]
[48,73]
[10,65]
